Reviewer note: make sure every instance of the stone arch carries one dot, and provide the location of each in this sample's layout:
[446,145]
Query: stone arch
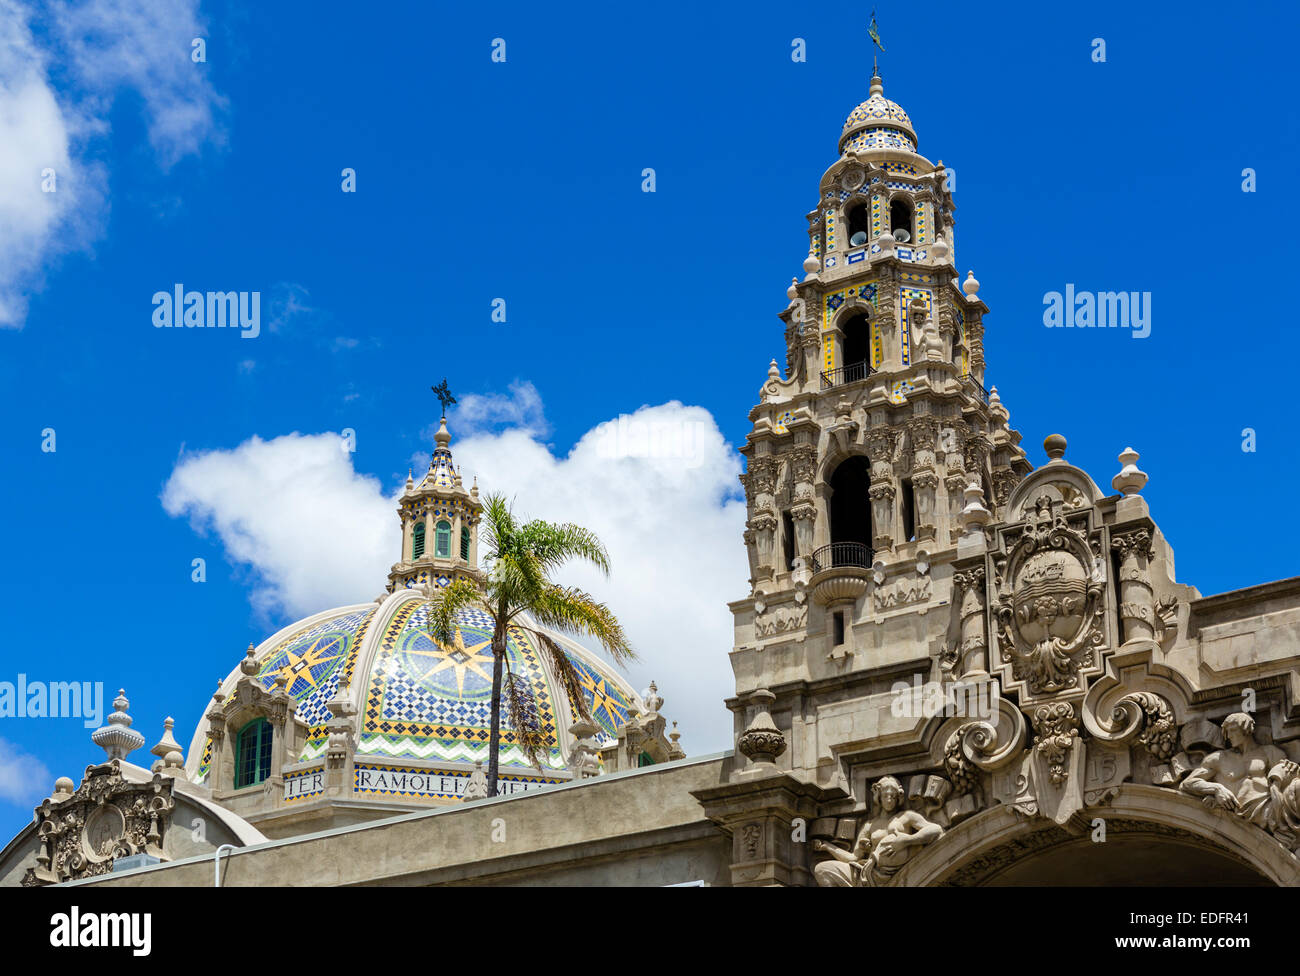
[1000,846]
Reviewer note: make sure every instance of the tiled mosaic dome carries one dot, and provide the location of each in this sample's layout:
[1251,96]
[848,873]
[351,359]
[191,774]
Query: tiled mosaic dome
[877,123]
[416,699]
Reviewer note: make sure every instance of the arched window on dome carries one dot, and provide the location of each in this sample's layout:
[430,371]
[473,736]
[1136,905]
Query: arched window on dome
[417,540]
[253,753]
[464,542]
[900,218]
[442,540]
[859,224]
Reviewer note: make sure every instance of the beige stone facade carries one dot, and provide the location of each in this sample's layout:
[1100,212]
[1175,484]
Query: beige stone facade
[951,667]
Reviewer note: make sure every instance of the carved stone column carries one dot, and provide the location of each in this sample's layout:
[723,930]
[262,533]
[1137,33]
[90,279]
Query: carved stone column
[763,522]
[924,432]
[972,651]
[803,468]
[1136,598]
[880,449]
[955,485]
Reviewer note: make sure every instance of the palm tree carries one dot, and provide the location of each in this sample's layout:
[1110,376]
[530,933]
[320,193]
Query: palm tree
[521,558]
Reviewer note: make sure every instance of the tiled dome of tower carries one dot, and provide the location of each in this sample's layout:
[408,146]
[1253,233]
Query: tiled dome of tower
[877,123]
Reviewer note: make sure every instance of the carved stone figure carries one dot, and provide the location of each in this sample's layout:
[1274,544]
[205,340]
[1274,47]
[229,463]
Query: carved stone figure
[888,841]
[1256,782]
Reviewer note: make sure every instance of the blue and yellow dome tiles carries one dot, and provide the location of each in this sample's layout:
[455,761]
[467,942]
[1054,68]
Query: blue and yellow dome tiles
[313,659]
[420,700]
[430,701]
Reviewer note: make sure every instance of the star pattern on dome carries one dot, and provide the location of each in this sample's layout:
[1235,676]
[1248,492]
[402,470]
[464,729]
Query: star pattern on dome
[459,657]
[306,663]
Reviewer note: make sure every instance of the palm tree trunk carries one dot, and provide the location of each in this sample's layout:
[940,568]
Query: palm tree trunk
[494,740]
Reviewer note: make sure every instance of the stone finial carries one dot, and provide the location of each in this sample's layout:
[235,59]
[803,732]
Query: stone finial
[793,291]
[676,751]
[1130,479]
[812,264]
[410,481]
[168,742]
[974,516]
[1054,445]
[116,737]
[971,286]
[63,786]
[762,742]
[249,664]
[442,438]
[653,700]
[477,787]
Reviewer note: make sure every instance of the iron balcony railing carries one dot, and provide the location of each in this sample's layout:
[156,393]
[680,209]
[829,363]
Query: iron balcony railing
[841,554]
[846,374]
[977,388]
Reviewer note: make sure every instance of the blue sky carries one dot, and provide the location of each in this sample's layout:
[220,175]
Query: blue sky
[479,180]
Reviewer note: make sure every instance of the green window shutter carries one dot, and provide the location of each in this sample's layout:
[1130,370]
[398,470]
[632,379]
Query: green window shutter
[442,540]
[253,753]
[464,543]
[417,541]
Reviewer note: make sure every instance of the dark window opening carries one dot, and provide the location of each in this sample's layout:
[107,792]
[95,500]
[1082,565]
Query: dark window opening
[417,541]
[859,225]
[900,218]
[851,508]
[909,511]
[856,347]
[788,525]
[253,753]
[839,627]
[464,543]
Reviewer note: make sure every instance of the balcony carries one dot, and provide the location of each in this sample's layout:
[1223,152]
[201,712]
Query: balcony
[841,554]
[846,374]
[975,388]
[840,572]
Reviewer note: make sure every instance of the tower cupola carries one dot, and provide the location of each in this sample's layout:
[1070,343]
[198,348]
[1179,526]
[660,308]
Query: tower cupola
[439,523]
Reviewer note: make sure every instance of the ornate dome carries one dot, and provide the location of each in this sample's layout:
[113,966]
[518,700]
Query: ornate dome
[416,702]
[877,123]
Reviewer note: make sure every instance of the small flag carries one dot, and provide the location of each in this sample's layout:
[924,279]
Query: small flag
[874,32]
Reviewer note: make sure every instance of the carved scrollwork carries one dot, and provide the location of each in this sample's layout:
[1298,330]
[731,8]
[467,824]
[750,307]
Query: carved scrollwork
[1142,716]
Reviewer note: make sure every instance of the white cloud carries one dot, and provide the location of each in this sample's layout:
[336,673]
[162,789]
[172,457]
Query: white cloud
[23,778]
[659,487]
[316,533]
[520,408]
[97,49]
[144,46]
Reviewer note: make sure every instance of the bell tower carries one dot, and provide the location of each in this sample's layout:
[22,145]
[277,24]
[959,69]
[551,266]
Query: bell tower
[878,443]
